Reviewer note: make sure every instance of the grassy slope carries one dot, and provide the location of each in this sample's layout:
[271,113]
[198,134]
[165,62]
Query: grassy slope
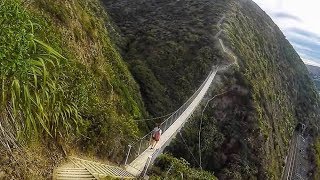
[94,78]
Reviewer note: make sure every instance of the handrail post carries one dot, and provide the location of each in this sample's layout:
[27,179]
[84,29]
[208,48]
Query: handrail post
[176,115]
[165,127]
[147,166]
[181,111]
[140,146]
[125,163]
[173,120]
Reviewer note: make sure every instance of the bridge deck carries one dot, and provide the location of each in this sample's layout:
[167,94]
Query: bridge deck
[93,170]
[83,169]
[137,166]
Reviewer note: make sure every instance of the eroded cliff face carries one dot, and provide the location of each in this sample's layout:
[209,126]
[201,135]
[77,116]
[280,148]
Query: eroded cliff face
[246,128]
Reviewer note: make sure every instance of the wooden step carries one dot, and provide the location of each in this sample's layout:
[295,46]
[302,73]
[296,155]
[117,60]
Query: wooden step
[85,170]
[75,175]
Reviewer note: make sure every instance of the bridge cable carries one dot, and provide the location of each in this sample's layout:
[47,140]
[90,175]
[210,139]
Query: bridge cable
[200,127]
[151,119]
[167,173]
[188,148]
[172,113]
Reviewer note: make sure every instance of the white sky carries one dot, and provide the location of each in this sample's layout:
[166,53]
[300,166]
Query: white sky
[295,17]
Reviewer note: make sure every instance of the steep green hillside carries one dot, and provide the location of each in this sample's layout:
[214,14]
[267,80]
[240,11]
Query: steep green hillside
[74,79]
[246,129]
[281,90]
[65,88]
[314,72]
[315,154]
[165,41]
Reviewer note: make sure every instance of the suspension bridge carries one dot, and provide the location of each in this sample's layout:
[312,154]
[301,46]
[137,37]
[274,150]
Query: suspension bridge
[139,155]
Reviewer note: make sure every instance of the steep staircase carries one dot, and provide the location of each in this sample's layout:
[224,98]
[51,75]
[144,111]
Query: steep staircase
[73,173]
[85,170]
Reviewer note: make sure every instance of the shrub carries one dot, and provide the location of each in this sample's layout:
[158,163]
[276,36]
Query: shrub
[167,166]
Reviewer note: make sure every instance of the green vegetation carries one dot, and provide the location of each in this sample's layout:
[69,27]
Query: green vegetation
[317,84]
[32,97]
[65,87]
[170,47]
[314,72]
[169,167]
[224,149]
[280,98]
[165,41]
[99,81]
[315,154]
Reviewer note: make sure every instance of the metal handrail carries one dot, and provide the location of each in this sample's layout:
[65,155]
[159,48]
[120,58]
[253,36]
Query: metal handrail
[143,143]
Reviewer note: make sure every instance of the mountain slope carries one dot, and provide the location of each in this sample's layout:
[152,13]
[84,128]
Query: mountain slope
[246,130]
[165,40]
[314,73]
[74,79]
[76,96]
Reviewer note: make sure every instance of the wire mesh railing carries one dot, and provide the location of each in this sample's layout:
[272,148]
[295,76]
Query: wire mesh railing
[134,150]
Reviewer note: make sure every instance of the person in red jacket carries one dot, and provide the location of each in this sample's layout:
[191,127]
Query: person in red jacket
[156,133]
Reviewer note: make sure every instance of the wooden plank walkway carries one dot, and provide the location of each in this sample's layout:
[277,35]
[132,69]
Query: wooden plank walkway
[84,170]
[136,167]
[73,174]
[92,170]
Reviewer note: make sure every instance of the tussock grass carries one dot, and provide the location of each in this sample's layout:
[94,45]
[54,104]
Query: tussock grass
[32,98]
[64,77]
[97,80]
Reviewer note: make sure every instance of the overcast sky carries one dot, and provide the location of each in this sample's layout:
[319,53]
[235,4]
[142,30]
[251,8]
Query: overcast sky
[299,21]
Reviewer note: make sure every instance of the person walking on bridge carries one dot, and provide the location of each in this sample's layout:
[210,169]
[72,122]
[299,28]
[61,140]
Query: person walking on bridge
[156,133]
